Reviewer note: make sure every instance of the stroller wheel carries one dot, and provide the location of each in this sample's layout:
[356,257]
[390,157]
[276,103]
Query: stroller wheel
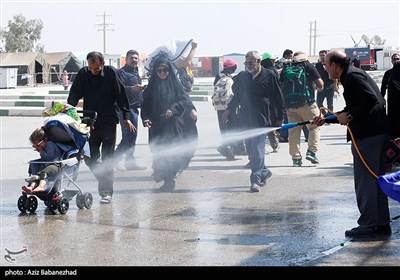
[52,205]
[22,203]
[80,200]
[63,205]
[31,204]
[88,200]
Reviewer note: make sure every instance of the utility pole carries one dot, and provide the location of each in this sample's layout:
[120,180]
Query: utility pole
[313,35]
[104,27]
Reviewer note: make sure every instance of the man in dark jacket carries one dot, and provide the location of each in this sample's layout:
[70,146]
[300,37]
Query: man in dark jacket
[330,86]
[101,88]
[130,77]
[253,91]
[385,80]
[365,114]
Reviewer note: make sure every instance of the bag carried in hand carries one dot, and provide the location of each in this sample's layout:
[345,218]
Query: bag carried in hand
[223,93]
[186,77]
[294,87]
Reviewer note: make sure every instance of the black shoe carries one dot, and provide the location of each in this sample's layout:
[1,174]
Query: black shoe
[283,140]
[384,230]
[254,187]
[32,178]
[229,154]
[360,232]
[264,182]
[222,151]
[169,185]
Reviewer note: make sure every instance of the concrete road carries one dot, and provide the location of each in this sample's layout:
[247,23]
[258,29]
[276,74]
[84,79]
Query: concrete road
[211,219]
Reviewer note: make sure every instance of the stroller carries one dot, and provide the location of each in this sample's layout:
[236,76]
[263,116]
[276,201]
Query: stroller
[74,142]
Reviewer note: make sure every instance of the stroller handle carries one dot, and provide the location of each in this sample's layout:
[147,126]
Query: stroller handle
[88,116]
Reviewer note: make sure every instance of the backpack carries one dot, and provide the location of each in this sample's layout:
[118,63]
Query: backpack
[223,93]
[186,77]
[294,85]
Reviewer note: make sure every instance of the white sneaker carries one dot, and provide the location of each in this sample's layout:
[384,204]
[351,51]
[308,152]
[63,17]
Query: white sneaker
[106,199]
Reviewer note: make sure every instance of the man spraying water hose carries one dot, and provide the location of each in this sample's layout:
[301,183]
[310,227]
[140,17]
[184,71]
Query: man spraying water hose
[365,116]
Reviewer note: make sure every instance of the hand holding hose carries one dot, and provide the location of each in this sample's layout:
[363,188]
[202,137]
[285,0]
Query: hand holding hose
[344,118]
[319,120]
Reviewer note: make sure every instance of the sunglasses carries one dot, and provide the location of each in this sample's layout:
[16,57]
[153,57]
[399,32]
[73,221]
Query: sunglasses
[162,70]
[37,144]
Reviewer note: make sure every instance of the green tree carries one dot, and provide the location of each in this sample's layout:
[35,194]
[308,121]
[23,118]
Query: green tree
[22,35]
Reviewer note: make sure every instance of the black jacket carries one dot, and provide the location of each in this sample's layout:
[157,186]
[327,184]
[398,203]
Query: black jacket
[255,97]
[103,93]
[365,103]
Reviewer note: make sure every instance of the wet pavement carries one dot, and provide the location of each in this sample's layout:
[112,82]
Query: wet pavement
[211,219]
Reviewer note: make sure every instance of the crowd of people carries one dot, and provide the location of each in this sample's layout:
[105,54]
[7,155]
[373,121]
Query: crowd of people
[268,93]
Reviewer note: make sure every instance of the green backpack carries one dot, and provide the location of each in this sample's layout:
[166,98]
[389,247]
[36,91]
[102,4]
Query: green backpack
[294,85]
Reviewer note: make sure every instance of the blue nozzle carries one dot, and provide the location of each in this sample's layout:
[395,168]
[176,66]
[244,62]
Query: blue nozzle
[330,117]
[288,125]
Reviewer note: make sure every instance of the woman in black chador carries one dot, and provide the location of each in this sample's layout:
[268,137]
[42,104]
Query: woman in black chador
[164,103]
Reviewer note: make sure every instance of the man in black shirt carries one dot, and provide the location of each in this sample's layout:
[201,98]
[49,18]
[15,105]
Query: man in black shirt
[385,80]
[356,61]
[365,115]
[101,88]
[330,86]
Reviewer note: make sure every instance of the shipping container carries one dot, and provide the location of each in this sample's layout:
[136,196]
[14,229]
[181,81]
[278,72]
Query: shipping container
[8,77]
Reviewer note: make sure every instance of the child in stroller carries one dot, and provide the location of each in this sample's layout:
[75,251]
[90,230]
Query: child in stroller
[61,144]
[45,167]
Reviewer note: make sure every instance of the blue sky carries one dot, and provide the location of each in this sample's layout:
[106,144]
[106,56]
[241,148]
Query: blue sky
[219,27]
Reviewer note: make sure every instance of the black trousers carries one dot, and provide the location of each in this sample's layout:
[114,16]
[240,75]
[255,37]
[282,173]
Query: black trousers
[101,163]
[371,201]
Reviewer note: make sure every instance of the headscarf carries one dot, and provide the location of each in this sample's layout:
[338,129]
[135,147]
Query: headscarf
[164,93]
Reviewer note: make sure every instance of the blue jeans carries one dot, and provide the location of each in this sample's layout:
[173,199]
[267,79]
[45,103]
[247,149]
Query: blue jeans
[256,150]
[128,142]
